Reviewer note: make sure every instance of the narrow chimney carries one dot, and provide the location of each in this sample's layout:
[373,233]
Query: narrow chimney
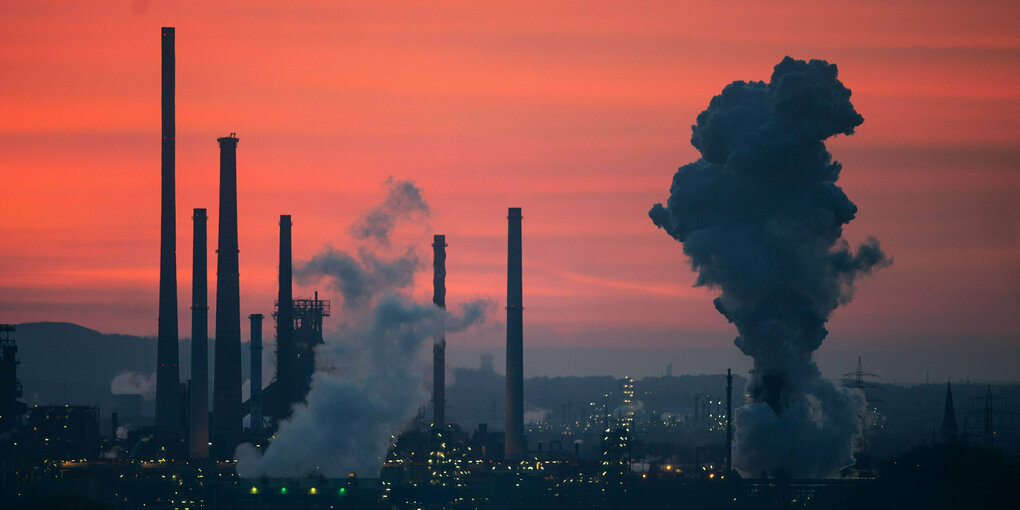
[256,373]
[167,373]
[199,432]
[226,418]
[439,346]
[286,378]
[514,341]
[729,421]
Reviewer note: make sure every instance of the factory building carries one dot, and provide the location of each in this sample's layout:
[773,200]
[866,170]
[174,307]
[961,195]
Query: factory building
[11,409]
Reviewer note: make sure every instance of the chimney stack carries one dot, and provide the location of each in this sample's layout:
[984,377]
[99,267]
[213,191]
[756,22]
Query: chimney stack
[514,340]
[167,373]
[729,421]
[255,409]
[226,426]
[439,346]
[199,412]
[286,378]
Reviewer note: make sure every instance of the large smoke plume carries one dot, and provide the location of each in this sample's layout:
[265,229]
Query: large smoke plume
[761,219]
[368,383]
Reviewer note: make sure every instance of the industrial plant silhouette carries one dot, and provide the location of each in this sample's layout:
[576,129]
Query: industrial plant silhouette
[317,438]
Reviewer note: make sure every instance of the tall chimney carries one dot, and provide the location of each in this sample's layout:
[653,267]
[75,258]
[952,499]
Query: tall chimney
[439,347]
[226,422]
[286,378]
[167,373]
[255,408]
[199,412]
[514,340]
[729,421]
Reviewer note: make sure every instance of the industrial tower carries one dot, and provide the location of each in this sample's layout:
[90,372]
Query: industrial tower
[168,376]
[11,409]
[226,418]
[514,444]
[199,401]
[439,345]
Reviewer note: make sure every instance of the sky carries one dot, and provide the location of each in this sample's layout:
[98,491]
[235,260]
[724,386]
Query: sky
[577,112]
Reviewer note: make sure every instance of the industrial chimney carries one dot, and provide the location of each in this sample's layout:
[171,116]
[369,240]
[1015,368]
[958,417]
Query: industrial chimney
[729,421]
[286,378]
[255,408]
[167,373]
[439,347]
[514,340]
[199,411]
[226,422]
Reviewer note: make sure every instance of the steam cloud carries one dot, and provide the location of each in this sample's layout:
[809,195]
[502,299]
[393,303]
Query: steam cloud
[403,201]
[134,383]
[368,384]
[533,416]
[761,218]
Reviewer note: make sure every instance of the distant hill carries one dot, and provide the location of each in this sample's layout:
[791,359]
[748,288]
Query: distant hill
[64,363]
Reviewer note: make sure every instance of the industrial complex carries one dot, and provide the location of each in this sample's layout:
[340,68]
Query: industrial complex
[567,456]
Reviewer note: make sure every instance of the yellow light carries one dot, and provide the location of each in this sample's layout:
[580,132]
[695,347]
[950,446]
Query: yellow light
[254,490]
[312,490]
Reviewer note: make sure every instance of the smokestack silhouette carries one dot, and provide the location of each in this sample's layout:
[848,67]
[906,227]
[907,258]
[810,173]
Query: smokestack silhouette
[199,412]
[729,421]
[226,423]
[167,372]
[286,378]
[256,373]
[439,347]
[514,340]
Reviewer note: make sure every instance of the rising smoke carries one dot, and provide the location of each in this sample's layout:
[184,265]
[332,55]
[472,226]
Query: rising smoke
[134,383]
[368,383]
[761,218]
[404,202]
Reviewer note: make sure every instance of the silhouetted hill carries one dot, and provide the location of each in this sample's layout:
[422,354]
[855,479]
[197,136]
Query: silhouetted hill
[65,352]
[65,363]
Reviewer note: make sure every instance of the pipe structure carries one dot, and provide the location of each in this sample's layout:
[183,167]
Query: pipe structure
[199,401]
[514,448]
[168,375]
[226,418]
[729,421]
[255,410]
[286,378]
[439,346]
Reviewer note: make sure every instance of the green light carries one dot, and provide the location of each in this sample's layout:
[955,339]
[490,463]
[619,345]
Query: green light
[283,490]
[343,490]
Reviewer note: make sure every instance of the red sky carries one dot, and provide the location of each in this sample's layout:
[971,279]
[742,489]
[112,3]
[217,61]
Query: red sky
[578,112]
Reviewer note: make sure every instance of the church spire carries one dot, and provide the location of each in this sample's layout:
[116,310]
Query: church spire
[949,428]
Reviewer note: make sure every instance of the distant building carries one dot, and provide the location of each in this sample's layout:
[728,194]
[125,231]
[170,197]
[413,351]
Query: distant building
[615,455]
[65,432]
[11,410]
